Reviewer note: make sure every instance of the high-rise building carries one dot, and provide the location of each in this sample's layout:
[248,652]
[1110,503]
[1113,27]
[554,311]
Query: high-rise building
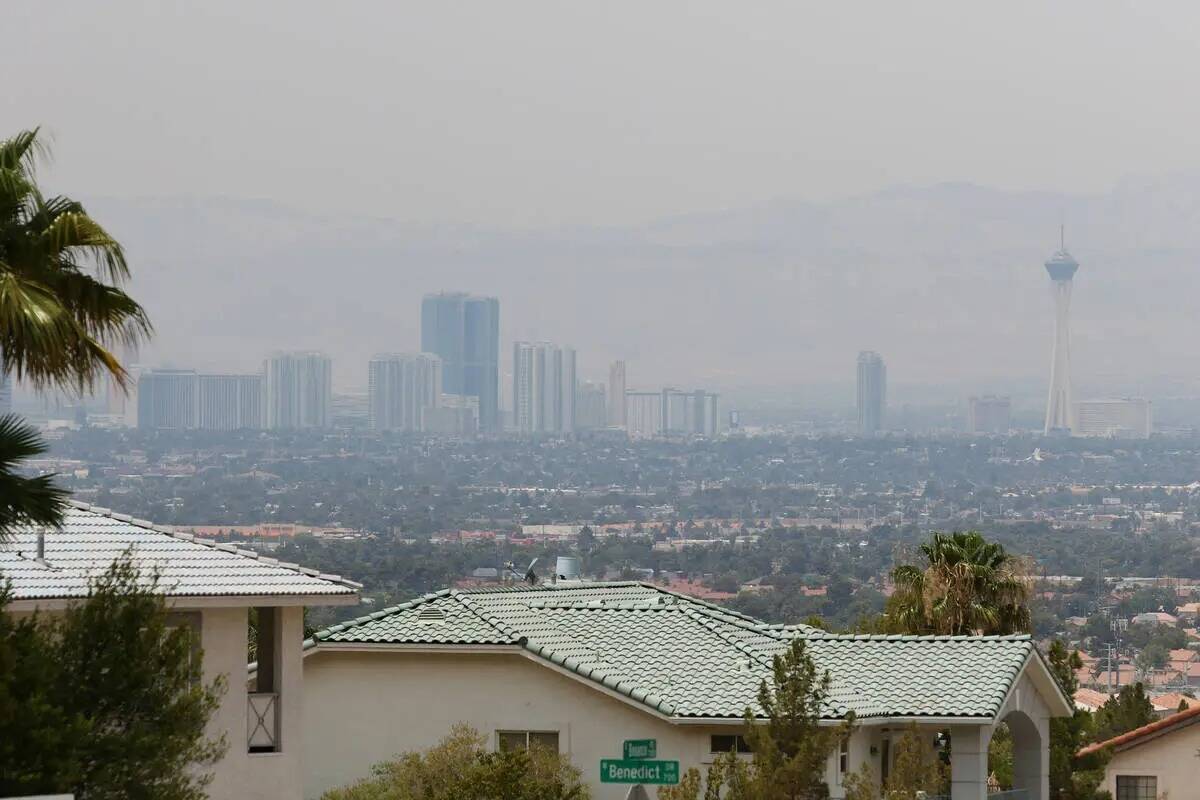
[644,413]
[463,330]
[401,388]
[229,402]
[692,412]
[297,390]
[872,392]
[166,398]
[184,398]
[590,406]
[1059,407]
[544,388]
[989,414]
[616,395]
[1119,418]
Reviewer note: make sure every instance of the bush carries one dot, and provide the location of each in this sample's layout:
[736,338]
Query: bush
[459,767]
[105,701]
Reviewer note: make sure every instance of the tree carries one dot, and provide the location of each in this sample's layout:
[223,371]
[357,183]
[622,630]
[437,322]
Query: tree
[1129,709]
[61,308]
[790,747]
[459,767]
[1071,777]
[106,700]
[917,770]
[967,586]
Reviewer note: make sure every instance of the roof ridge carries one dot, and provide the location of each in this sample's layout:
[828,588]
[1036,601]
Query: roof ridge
[500,625]
[210,543]
[697,601]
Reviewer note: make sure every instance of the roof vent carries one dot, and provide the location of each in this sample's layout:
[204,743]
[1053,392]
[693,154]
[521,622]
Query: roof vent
[431,616]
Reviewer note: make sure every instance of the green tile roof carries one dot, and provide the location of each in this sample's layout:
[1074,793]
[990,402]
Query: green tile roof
[687,658]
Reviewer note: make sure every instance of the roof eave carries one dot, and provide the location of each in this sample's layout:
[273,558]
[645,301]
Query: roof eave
[201,601]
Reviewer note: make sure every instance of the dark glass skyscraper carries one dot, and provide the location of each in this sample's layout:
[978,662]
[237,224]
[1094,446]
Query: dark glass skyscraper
[464,331]
[872,392]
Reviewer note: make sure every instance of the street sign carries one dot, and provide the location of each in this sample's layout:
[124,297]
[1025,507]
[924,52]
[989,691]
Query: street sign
[616,770]
[639,749]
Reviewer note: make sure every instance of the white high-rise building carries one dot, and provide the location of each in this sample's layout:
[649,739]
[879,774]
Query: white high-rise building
[297,390]
[401,389]
[644,413]
[229,402]
[616,395]
[183,399]
[544,388]
[1118,418]
[1061,267]
[166,398]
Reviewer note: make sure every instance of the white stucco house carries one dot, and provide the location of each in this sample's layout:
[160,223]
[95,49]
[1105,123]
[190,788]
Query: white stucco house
[585,666]
[210,588]
[1155,761]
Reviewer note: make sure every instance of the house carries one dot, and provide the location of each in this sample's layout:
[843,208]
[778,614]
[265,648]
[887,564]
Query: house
[583,667]
[1167,704]
[1155,760]
[210,588]
[1154,618]
[1090,699]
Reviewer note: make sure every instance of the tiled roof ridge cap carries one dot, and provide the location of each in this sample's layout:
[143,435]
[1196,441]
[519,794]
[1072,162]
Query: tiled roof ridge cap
[545,587]
[597,675]
[702,603]
[469,603]
[223,546]
[341,627]
[710,624]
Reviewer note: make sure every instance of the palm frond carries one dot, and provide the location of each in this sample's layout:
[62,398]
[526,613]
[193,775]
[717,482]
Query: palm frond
[74,231]
[22,151]
[43,343]
[25,500]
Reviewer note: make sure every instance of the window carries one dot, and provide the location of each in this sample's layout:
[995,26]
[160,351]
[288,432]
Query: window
[723,743]
[843,758]
[523,740]
[1137,787]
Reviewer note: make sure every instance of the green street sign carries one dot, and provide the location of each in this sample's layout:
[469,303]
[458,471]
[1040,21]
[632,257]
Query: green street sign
[616,770]
[639,749]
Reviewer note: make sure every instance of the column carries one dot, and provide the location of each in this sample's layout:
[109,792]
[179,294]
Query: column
[968,762]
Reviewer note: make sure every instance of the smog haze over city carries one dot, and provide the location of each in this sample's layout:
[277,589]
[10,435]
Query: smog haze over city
[740,196]
[599,401]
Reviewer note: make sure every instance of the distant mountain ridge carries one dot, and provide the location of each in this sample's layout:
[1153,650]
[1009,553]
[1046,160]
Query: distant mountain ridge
[946,281]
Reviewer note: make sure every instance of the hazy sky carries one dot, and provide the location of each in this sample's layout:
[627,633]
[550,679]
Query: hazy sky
[532,114]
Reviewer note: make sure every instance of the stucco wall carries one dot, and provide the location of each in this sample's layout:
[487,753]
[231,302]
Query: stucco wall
[1170,758]
[242,775]
[361,708]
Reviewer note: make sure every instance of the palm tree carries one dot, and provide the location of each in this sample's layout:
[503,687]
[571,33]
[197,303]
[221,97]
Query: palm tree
[61,309]
[968,586]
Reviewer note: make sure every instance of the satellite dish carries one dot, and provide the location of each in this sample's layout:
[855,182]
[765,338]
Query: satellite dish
[530,576]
